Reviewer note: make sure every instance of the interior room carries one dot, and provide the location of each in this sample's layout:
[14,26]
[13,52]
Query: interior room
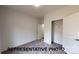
[44,26]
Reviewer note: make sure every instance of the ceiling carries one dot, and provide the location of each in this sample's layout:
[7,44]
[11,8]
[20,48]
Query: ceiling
[37,12]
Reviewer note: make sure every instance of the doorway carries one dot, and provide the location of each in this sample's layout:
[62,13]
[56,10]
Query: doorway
[41,31]
[57,30]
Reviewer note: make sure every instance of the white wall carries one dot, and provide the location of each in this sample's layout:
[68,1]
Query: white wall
[56,15]
[70,33]
[59,14]
[17,28]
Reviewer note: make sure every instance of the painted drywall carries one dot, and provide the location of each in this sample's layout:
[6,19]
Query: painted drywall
[56,15]
[70,33]
[17,28]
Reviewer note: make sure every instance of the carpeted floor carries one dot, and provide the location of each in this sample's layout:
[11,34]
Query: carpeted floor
[38,43]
